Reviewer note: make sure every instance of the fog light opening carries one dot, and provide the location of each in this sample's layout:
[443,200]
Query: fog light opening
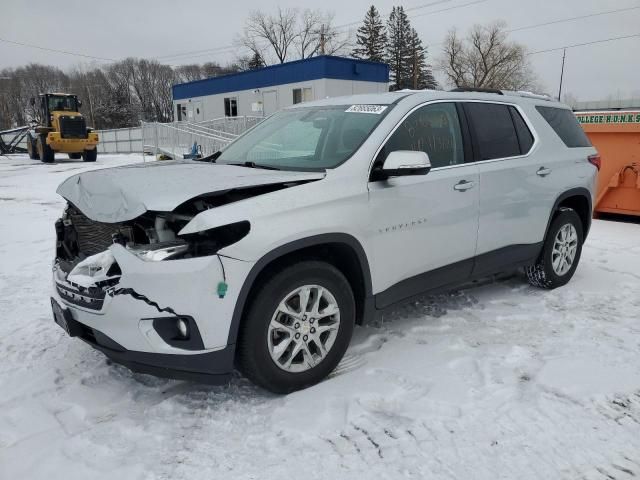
[183,328]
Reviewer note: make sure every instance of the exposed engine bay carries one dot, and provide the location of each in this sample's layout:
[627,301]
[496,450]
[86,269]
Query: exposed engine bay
[153,235]
[114,215]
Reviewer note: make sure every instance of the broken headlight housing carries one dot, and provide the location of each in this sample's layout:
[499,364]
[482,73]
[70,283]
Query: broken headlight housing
[156,252]
[200,244]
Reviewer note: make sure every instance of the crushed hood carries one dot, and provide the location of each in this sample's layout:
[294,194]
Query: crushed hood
[124,193]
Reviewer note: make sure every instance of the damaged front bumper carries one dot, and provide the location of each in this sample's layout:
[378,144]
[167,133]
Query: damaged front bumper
[133,317]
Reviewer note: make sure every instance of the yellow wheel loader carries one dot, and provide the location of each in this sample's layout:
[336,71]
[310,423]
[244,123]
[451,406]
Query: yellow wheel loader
[61,128]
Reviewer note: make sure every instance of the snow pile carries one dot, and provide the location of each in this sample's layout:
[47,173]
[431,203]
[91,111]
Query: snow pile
[499,381]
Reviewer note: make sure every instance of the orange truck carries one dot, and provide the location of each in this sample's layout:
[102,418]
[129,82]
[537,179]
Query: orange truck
[616,136]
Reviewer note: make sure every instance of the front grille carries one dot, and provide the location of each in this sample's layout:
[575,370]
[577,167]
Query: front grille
[95,237]
[90,298]
[73,127]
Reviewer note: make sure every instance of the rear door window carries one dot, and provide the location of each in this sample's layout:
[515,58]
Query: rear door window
[565,124]
[494,130]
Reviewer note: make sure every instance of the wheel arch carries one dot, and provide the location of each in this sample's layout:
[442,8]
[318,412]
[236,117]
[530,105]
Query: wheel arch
[341,250]
[578,199]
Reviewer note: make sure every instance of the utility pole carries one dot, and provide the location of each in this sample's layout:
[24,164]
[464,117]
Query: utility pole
[564,54]
[322,39]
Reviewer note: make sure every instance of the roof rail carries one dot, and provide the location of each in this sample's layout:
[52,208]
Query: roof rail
[479,90]
[525,94]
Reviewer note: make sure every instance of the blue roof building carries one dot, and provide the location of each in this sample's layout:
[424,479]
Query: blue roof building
[266,90]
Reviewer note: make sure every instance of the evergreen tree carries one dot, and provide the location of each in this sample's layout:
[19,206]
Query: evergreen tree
[398,52]
[371,38]
[421,75]
[256,62]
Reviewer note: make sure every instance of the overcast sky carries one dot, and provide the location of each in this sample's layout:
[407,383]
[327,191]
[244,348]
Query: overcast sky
[117,29]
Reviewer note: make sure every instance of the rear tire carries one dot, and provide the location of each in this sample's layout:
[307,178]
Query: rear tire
[561,252]
[45,152]
[284,346]
[75,156]
[90,155]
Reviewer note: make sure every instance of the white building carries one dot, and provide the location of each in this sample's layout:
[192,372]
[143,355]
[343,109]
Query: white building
[267,90]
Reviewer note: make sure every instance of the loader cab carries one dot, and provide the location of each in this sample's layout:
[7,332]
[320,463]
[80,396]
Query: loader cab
[56,102]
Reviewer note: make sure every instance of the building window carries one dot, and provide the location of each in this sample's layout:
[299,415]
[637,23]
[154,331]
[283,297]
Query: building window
[231,107]
[181,112]
[302,95]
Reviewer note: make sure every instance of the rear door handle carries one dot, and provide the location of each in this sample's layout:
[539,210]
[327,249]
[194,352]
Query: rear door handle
[543,171]
[463,185]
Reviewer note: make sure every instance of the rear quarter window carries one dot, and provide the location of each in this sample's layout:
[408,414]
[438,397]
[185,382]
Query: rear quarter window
[566,126]
[525,137]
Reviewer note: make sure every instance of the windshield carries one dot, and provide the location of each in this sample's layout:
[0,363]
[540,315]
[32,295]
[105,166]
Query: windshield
[310,138]
[62,103]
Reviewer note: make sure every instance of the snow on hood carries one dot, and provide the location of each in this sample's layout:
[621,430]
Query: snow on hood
[124,193]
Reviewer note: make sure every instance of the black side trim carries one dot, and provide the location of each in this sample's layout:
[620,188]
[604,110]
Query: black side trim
[292,247]
[424,282]
[574,192]
[506,258]
[444,278]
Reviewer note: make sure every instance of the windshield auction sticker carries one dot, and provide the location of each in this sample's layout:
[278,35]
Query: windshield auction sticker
[375,109]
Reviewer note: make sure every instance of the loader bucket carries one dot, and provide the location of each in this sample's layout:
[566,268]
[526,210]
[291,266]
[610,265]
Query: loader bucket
[616,136]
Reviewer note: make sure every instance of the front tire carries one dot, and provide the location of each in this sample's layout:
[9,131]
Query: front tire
[45,152]
[31,148]
[561,252]
[297,328]
[90,155]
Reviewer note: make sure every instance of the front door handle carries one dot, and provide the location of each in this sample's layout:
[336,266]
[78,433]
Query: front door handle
[463,185]
[543,171]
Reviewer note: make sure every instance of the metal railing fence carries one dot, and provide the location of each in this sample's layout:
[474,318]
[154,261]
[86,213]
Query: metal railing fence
[177,138]
[120,140]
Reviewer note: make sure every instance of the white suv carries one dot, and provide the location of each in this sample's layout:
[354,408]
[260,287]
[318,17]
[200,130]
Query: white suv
[267,255]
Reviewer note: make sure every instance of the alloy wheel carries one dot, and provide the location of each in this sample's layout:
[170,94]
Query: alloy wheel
[303,328]
[564,250]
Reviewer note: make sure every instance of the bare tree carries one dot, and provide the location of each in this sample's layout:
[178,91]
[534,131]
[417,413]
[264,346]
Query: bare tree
[309,32]
[278,31]
[318,36]
[189,73]
[308,41]
[486,59]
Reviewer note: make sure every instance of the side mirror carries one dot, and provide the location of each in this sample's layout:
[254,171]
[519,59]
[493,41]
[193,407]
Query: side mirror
[79,103]
[32,101]
[406,162]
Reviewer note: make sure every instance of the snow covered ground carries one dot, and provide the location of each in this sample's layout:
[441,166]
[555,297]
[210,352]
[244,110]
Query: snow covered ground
[498,381]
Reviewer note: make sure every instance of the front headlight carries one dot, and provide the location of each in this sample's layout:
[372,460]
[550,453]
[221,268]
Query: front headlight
[159,251]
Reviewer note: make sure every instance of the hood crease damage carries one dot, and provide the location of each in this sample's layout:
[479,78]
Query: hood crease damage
[124,193]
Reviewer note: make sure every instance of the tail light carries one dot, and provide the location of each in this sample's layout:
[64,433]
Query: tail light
[595,160]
